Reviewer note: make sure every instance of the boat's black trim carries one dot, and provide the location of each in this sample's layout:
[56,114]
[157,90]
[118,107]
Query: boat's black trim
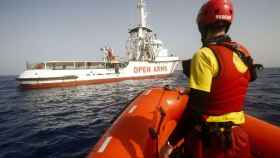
[70,77]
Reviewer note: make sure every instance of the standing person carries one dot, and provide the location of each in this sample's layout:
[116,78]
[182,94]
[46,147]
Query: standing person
[219,75]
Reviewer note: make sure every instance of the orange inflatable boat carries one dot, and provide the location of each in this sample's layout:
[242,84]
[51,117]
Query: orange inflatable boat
[144,126]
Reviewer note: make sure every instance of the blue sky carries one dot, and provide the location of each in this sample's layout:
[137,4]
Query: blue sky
[40,30]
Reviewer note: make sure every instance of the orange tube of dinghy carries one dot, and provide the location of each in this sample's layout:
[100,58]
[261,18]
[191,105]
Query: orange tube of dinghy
[130,134]
[264,138]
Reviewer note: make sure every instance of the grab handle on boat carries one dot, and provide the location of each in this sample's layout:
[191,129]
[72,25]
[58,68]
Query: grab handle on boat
[162,113]
[154,132]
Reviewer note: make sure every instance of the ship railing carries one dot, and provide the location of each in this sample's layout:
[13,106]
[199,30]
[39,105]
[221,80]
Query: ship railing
[73,65]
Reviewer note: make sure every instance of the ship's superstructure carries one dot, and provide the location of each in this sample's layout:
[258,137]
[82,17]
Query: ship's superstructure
[146,58]
[143,44]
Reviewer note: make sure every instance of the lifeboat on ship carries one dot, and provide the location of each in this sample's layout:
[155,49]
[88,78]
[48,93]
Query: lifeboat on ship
[144,125]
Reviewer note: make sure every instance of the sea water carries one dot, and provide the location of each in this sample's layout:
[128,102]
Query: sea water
[67,122]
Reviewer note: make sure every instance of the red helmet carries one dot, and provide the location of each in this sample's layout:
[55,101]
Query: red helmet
[215,11]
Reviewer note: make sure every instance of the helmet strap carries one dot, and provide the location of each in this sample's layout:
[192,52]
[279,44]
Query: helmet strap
[216,40]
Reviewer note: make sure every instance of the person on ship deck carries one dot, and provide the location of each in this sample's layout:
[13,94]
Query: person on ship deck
[219,74]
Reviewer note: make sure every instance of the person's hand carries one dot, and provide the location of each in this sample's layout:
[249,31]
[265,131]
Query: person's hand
[165,151]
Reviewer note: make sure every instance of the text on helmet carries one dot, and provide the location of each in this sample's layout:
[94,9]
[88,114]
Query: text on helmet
[223,17]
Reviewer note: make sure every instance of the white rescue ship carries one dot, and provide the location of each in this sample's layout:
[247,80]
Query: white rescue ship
[147,58]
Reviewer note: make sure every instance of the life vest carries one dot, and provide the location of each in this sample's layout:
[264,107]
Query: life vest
[229,87]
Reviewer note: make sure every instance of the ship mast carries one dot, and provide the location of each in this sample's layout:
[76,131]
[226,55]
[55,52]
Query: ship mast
[139,42]
[142,17]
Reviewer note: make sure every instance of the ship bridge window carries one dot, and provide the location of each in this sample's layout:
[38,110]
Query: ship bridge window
[80,65]
[60,65]
[95,65]
[74,65]
[35,66]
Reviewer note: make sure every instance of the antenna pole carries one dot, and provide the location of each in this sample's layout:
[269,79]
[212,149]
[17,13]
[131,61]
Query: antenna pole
[142,17]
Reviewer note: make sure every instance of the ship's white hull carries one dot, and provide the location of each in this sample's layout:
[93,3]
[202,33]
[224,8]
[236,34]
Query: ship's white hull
[47,78]
[146,55]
